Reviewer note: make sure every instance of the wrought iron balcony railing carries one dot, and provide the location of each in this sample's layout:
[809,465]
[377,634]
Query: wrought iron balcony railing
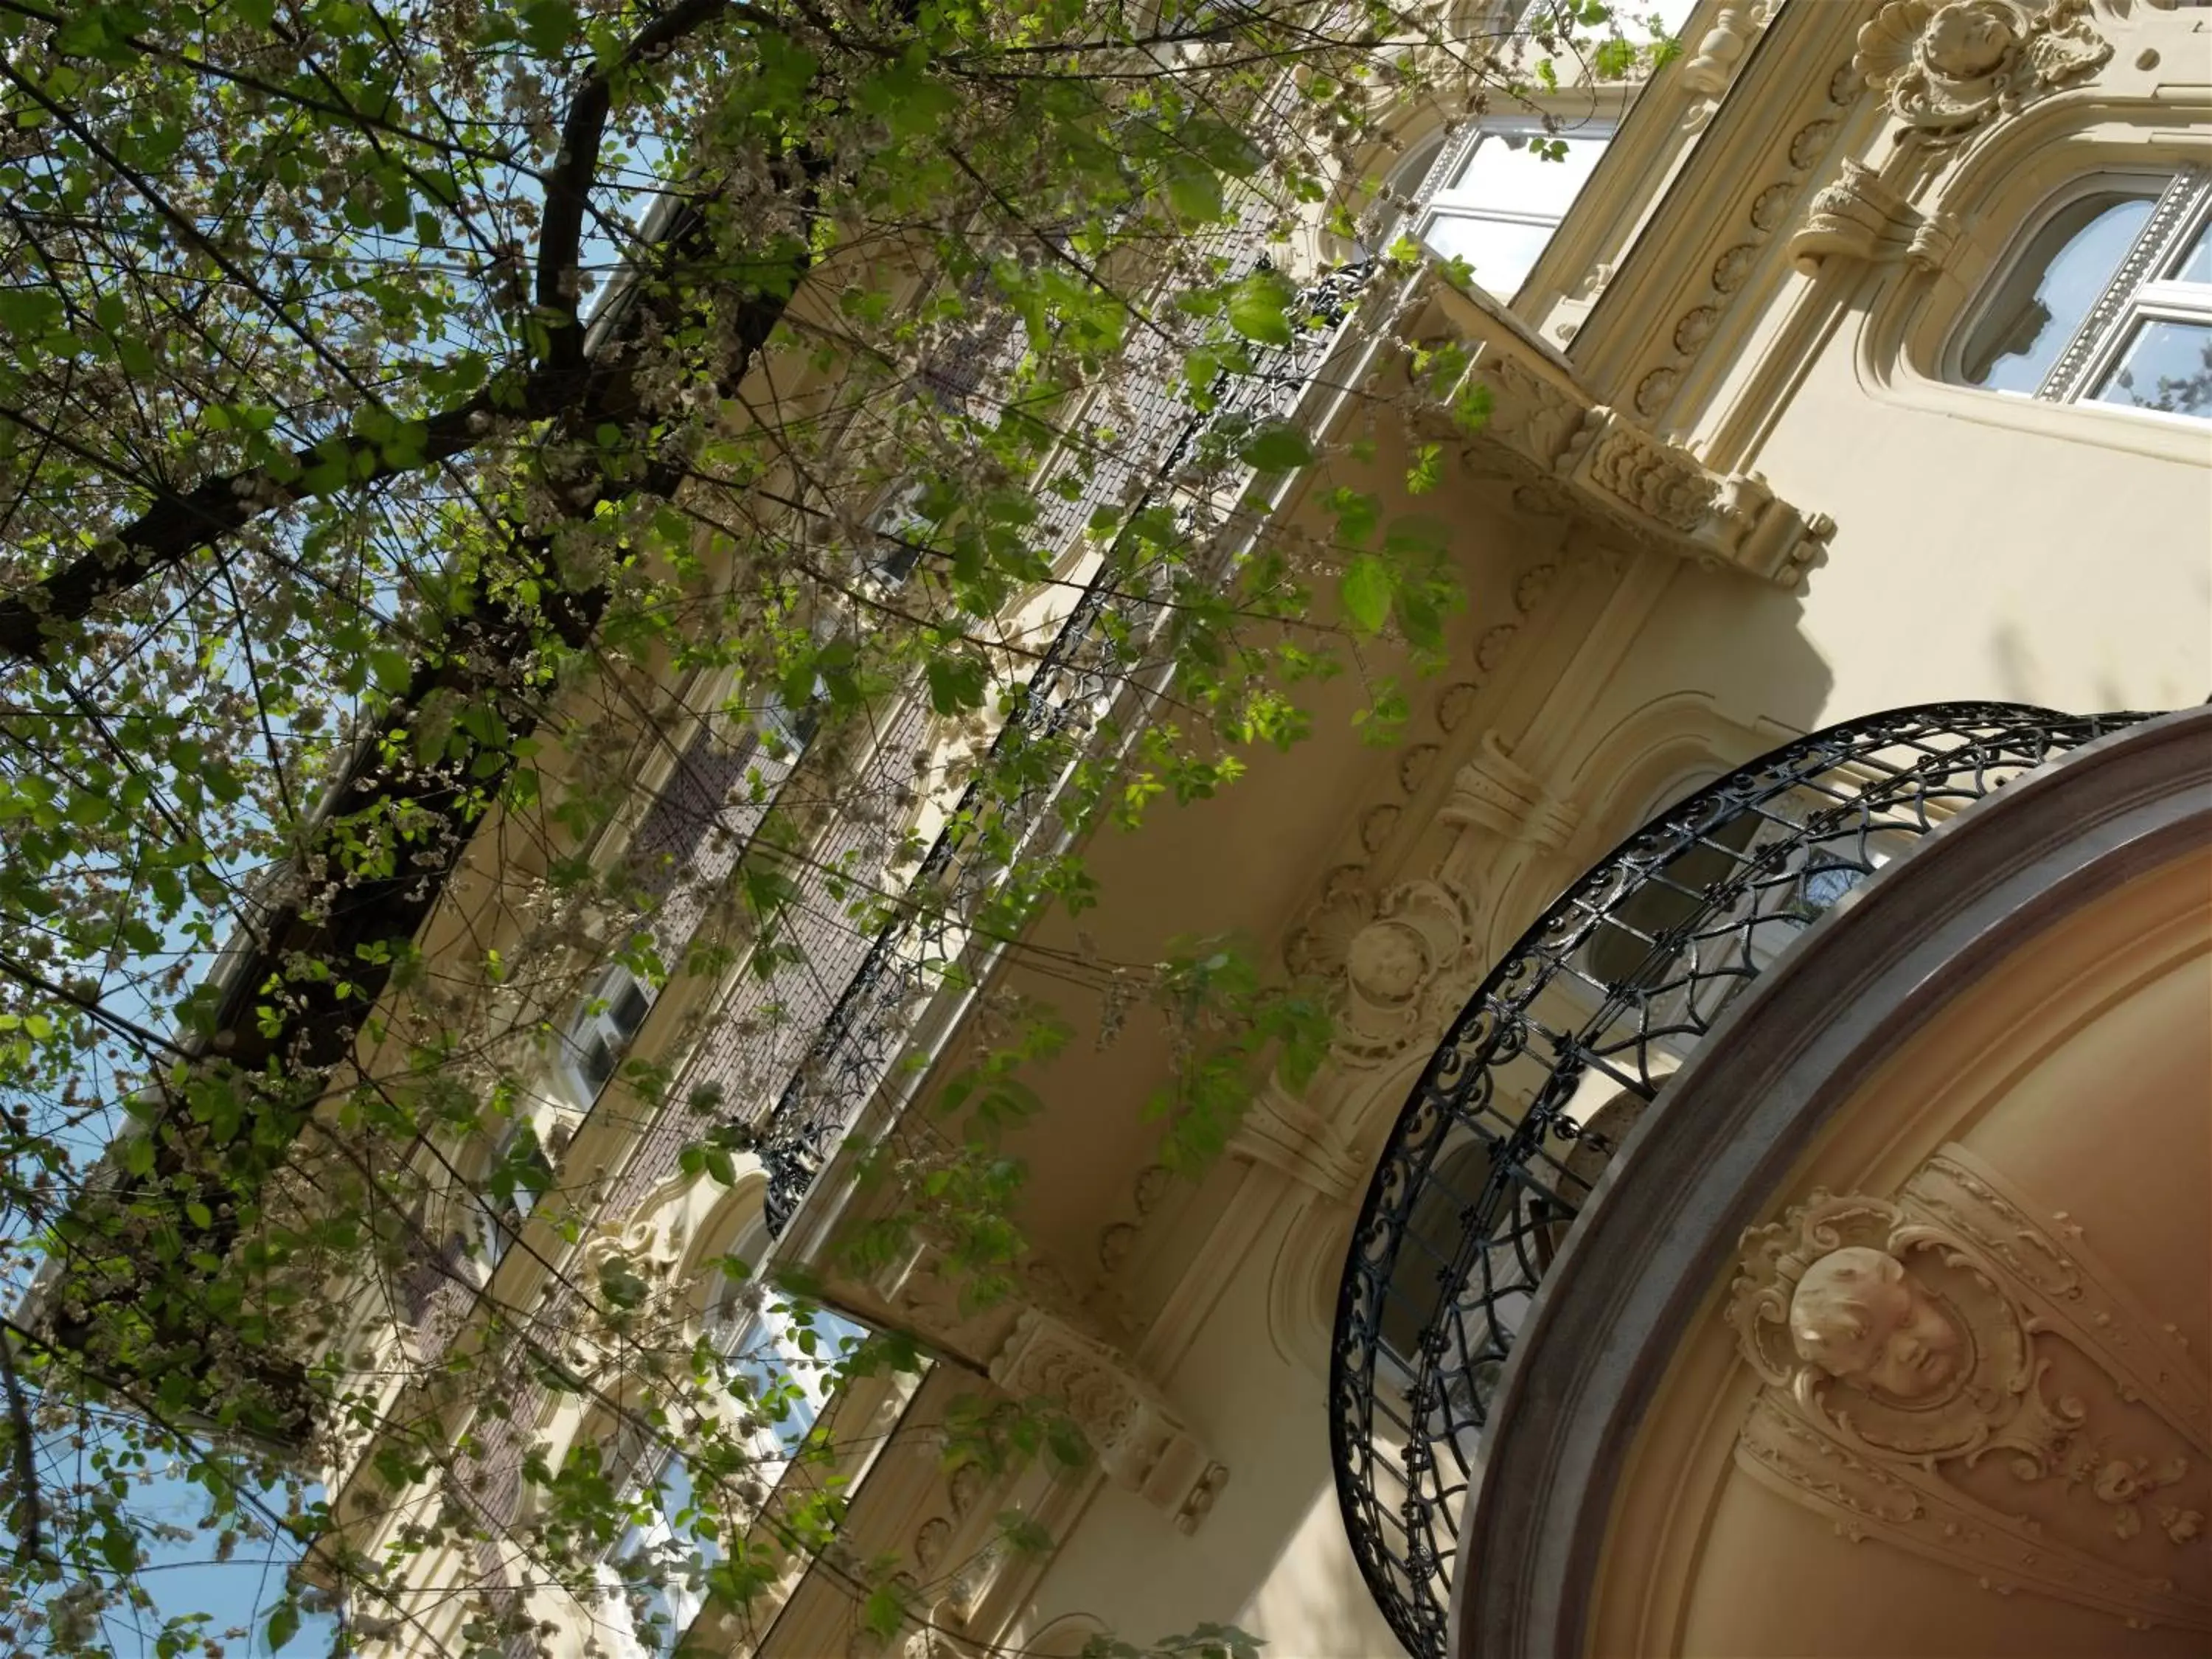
[1552,1062]
[1062,709]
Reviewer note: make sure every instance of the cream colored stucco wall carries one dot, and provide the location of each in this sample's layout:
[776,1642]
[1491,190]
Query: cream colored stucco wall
[2051,555]
[1271,1556]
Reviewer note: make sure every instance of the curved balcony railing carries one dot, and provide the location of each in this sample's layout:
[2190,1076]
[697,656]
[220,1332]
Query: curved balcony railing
[1552,1061]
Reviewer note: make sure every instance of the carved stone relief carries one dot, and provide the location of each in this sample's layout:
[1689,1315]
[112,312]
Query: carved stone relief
[1768,210]
[1139,1441]
[1946,68]
[1857,216]
[1399,966]
[1581,459]
[1946,1373]
[1706,73]
[1495,793]
[1288,1134]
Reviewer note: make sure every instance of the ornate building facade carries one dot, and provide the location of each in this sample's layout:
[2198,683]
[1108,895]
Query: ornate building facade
[1782,1230]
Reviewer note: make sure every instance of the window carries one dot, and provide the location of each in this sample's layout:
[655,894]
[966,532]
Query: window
[785,1356]
[601,1031]
[1493,198]
[656,1570]
[516,1175]
[2109,301]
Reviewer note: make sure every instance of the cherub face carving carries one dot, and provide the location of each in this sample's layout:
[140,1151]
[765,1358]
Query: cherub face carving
[1966,41]
[1860,1317]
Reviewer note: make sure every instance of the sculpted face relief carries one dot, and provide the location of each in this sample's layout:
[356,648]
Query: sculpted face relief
[1966,41]
[1860,1317]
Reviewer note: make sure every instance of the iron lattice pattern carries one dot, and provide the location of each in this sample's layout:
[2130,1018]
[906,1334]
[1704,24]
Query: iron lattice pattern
[1555,1057]
[1080,688]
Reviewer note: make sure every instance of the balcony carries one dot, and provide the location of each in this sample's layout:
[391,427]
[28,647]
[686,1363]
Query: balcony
[1540,1082]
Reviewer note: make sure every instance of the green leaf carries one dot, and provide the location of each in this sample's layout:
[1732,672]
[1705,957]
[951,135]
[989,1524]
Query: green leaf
[882,1612]
[956,683]
[1277,447]
[1358,513]
[283,1623]
[1223,147]
[550,27]
[1364,589]
[1257,306]
[1193,190]
[1416,534]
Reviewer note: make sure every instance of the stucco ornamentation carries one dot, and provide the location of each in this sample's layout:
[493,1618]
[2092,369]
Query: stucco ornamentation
[1660,482]
[1946,1372]
[1594,462]
[1494,792]
[1945,68]
[1141,1442]
[1856,216]
[1769,208]
[1707,72]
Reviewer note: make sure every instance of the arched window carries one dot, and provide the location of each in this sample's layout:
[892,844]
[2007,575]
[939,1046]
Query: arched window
[515,1173]
[1493,195]
[785,1352]
[655,1572]
[2108,301]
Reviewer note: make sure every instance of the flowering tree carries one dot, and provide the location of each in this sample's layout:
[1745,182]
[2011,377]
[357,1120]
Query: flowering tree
[418,423]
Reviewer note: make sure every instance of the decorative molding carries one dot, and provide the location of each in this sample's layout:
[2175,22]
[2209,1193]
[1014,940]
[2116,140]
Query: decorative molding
[1706,73]
[1945,68]
[1858,216]
[1141,1442]
[1286,1133]
[1903,1342]
[1405,972]
[1595,464]
[1493,791]
[1763,214]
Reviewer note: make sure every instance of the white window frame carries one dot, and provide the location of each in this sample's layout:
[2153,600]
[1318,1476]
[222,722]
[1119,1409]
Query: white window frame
[734,1327]
[2141,289]
[1422,181]
[497,1225]
[598,1018]
[684,1600]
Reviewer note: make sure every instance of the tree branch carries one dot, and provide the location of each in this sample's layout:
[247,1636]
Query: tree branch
[30,1542]
[181,523]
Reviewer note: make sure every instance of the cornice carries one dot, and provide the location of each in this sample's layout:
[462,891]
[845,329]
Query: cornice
[1704,255]
[1522,409]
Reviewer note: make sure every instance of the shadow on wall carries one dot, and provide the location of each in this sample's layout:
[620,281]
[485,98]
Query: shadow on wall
[1271,1556]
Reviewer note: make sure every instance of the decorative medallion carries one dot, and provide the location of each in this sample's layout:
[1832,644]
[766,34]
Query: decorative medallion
[1946,1373]
[1945,68]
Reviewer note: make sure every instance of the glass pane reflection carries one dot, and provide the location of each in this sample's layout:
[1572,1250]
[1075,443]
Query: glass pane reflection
[2197,264]
[2167,366]
[2049,292]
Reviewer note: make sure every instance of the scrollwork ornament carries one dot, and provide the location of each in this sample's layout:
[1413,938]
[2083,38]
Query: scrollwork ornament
[1945,67]
[1899,1356]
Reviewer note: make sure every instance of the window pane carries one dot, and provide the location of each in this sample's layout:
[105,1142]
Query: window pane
[2197,264]
[599,1064]
[1504,174]
[1502,252]
[2049,291]
[2167,366]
